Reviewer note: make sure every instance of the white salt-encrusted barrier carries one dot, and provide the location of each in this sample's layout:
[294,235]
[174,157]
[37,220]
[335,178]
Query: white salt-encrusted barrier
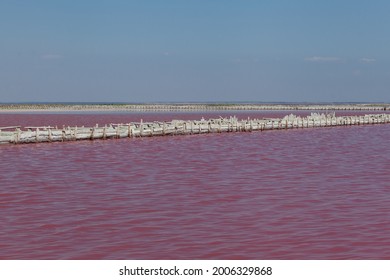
[190,107]
[16,135]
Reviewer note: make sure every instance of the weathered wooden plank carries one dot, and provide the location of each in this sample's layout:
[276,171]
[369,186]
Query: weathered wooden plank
[10,127]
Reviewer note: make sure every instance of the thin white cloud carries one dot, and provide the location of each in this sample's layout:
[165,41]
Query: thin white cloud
[51,56]
[323,59]
[367,60]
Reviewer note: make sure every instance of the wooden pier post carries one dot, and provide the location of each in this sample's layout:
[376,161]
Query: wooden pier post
[17,135]
[141,128]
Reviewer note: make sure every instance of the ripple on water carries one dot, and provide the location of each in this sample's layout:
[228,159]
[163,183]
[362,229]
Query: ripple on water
[296,194]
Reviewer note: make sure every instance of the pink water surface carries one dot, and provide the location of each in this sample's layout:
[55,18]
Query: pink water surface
[321,193]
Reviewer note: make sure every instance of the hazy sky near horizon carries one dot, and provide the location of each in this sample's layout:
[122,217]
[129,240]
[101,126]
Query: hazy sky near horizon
[194,50]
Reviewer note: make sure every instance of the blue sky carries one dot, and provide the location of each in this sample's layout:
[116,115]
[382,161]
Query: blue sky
[194,51]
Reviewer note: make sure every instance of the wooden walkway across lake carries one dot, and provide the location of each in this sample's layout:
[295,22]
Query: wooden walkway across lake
[19,135]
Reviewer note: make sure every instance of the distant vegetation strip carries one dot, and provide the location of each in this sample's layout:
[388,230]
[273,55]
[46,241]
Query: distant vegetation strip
[189,107]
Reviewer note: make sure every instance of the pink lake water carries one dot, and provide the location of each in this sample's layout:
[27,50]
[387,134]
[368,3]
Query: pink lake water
[321,193]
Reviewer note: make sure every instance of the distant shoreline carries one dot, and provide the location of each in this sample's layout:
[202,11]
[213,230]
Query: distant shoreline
[190,107]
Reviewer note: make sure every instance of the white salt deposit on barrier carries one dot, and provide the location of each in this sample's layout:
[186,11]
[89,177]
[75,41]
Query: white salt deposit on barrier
[190,107]
[15,135]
